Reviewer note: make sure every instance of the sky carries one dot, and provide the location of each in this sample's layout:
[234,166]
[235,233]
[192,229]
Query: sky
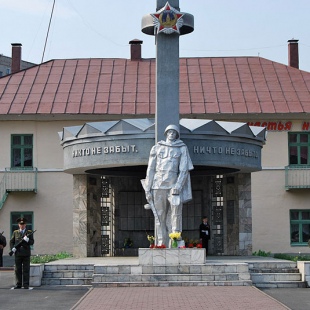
[103,29]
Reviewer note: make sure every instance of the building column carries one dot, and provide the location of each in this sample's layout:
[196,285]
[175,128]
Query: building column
[80,215]
[93,216]
[245,214]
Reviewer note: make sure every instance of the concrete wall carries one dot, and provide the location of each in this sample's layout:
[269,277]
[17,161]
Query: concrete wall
[47,151]
[271,202]
[52,204]
[271,217]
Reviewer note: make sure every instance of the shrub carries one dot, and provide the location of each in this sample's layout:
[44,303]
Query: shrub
[293,258]
[262,253]
[46,258]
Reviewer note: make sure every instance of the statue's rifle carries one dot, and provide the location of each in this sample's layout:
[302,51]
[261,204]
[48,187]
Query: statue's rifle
[150,204]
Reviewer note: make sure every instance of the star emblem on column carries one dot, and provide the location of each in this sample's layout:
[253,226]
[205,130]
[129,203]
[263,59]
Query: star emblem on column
[168,20]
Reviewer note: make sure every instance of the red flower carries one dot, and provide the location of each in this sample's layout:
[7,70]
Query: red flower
[190,245]
[199,245]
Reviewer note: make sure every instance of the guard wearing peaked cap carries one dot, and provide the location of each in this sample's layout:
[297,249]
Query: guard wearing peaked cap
[21,220]
[22,253]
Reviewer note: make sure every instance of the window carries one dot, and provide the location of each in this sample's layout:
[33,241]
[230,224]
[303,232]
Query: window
[300,227]
[298,144]
[27,215]
[21,151]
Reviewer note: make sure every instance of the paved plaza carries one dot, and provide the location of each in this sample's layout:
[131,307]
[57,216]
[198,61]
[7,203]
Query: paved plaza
[181,298]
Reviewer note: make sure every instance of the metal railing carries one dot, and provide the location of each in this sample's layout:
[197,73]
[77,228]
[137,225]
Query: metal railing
[3,192]
[18,180]
[297,177]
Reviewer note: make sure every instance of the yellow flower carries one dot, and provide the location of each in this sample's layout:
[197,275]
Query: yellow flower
[150,238]
[175,235]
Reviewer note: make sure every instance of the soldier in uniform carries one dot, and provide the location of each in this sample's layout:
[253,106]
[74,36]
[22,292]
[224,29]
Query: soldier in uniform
[22,254]
[2,245]
[167,183]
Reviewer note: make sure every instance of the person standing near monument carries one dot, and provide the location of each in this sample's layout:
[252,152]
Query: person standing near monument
[205,233]
[167,184]
[2,245]
[22,253]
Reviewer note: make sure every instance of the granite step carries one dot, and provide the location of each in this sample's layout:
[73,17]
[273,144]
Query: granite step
[276,275]
[178,269]
[221,274]
[274,270]
[102,278]
[67,275]
[67,281]
[274,265]
[281,284]
[267,277]
[172,283]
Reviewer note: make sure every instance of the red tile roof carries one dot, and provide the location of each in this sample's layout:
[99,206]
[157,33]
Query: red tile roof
[232,85]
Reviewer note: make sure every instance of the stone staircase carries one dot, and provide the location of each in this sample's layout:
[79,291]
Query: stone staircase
[276,275]
[68,274]
[180,275]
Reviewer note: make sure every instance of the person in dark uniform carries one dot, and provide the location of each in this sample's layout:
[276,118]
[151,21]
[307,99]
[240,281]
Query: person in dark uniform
[2,245]
[22,254]
[205,232]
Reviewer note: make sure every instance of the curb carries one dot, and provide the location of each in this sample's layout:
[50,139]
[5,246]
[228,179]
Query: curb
[82,298]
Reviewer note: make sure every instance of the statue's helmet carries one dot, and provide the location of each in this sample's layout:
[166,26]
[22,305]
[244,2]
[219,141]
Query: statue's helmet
[173,127]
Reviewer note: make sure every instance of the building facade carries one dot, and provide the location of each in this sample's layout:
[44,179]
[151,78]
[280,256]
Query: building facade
[91,208]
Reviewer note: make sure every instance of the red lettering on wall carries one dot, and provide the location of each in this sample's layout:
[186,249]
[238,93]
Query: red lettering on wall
[273,126]
[305,126]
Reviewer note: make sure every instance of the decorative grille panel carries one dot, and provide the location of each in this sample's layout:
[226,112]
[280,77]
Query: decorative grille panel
[105,216]
[105,244]
[105,184]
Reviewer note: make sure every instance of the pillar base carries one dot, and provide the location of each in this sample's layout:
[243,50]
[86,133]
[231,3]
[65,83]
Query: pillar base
[164,257]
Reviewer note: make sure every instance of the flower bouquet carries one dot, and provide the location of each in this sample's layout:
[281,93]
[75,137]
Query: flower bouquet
[151,239]
[174,236]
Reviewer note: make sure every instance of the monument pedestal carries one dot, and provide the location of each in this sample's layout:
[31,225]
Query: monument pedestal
[169,257]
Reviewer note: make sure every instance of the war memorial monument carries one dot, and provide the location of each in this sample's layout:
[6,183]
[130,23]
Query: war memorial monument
[174,157]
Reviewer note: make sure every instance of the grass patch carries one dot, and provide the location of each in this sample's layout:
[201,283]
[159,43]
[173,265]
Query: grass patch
[41,259]
[291,257]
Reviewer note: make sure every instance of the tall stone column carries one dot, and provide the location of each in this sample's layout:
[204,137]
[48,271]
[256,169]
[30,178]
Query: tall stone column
[167,24]
[167,78]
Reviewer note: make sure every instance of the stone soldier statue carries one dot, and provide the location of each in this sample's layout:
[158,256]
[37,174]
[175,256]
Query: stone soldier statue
[167,184]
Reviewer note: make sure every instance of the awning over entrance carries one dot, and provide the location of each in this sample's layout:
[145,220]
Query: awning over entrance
[113,145]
